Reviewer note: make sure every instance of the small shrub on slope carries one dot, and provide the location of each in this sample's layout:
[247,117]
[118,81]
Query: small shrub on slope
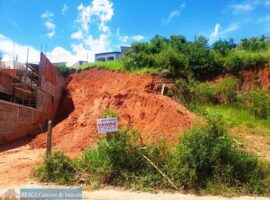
[57,168]
[207,155]
[119,161]
[258,101]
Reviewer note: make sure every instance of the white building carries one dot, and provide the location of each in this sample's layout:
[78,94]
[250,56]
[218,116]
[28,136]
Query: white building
[110,56]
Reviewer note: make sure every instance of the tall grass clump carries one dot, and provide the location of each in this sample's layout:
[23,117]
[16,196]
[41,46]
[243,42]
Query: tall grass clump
[223,92]
[207,155]
[257,101]
[57,168]
[119,161]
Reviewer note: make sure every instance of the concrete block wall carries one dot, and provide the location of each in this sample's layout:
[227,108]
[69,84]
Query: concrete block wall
[16,121]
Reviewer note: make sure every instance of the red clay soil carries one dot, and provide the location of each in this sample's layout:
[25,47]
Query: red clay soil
[252,78]
[135,99]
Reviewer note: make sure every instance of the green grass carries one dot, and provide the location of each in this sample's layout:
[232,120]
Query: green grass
[235,117]
[117,65]
[205,159]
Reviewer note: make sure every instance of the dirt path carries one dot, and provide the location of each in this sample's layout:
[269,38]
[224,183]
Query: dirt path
[110,194]
[16,163]
[254,143]
[124,195]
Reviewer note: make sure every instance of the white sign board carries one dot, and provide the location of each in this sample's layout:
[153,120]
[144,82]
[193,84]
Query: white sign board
[107,125]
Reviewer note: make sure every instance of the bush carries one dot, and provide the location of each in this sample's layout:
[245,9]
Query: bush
[57,168]
[107,113]
[196,58]
[181,91]
[119,161]
[203,93]
[258,101]
[207,155]
[223,92]
[64,70]
[239,60]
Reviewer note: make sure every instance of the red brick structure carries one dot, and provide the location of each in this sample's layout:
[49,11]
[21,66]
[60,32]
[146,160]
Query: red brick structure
[28,99]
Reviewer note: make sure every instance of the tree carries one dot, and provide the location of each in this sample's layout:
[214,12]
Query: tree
[223,47]
[255,43]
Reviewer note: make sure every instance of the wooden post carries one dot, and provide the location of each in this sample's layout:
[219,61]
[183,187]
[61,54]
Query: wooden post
[162,90]
[49,139]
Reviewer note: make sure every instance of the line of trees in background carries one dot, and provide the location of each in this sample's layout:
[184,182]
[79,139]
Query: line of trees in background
[197,58]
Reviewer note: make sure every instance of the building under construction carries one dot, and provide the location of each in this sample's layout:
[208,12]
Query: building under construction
[29,97]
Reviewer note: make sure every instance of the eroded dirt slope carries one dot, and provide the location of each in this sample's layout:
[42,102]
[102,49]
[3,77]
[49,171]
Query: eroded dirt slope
[134,97]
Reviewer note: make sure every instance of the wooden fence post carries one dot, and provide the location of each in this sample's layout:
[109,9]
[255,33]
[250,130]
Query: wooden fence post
[49,139]
[162,89]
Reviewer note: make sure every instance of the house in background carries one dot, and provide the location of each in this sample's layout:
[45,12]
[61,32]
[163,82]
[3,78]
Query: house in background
[110,56]
[79,63]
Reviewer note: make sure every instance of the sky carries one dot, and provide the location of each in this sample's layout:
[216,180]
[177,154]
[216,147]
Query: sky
[72,30]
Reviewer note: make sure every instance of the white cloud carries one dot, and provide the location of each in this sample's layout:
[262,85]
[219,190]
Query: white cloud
[59,54]
[175,13]
[218,33]
[237,8]
[126,38]
[77,35]
[64,9]
[137,37]
[48,23]
[100,10]
[50,26]
[231,28]
[249,5]
[47,15]
[11,50]
[172,15]
[93,17]
[216,30]
[7,58]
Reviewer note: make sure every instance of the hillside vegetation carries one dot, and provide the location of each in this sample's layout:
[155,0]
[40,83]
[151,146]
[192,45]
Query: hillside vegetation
[195,59]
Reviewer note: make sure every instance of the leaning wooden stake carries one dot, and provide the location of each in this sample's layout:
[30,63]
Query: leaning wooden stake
[164,175]
[49,139]
[162,89]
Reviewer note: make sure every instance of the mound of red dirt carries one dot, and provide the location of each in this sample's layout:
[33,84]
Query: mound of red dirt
[133,97]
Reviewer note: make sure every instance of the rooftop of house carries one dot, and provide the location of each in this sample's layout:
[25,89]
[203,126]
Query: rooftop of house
[114,52]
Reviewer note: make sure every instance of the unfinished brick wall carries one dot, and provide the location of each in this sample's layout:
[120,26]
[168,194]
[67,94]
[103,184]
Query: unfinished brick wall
[17,121]
[6,83]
